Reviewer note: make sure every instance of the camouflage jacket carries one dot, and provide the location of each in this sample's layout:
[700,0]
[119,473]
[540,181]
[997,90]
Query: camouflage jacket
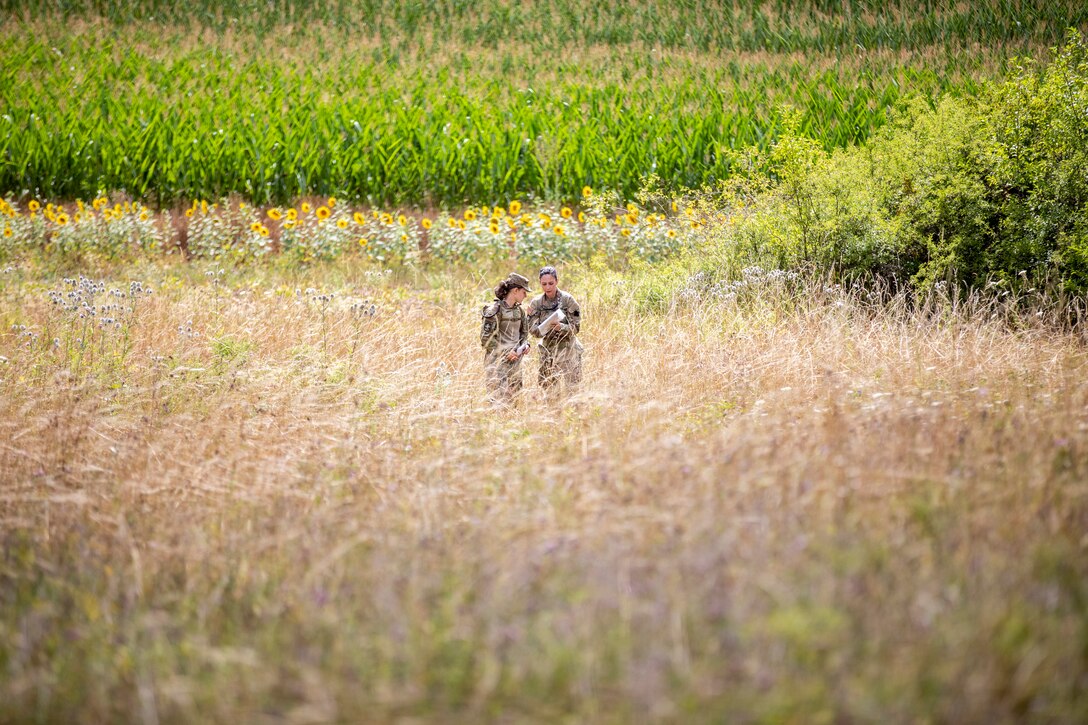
[504,328]
[541,307]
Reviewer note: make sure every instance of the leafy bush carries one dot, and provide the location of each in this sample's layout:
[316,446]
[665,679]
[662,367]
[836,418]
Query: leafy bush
[973,191]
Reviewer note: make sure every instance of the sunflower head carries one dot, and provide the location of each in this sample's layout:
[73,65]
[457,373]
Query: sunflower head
[323,213]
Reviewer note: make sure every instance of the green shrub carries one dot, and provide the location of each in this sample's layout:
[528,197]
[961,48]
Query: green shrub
[971,191]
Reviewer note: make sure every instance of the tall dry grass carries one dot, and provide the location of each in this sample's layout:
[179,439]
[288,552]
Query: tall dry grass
[798,506]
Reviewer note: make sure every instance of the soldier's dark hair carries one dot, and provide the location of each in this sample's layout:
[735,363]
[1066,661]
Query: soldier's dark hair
[502,290]
[548,270]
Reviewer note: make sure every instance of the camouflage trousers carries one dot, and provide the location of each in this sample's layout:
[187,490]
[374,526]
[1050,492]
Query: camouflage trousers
[503,376]
[562,362]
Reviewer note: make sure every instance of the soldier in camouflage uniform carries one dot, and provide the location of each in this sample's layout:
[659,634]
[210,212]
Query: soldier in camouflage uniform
[560,350]
[505,337]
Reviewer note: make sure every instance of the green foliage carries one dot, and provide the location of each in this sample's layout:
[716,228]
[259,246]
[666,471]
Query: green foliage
[996,190]
[446,103]
[980,191]
[1037,178]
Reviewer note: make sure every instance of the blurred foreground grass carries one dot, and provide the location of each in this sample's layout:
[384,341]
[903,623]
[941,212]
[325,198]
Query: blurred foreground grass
[247,500]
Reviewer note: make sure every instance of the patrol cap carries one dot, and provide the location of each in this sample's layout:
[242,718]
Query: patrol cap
[516,280]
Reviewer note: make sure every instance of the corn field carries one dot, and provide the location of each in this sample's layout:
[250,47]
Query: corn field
[448,104]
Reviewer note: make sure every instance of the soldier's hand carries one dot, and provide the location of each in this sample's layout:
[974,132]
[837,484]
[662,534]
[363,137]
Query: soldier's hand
[512,356]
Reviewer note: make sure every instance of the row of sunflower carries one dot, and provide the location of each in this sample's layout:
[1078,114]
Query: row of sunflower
[232,230]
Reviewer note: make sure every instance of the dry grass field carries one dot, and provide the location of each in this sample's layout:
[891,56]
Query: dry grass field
[243,501]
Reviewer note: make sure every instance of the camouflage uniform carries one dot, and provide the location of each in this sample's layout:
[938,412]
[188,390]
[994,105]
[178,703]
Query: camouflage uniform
[560,350]
[504,329]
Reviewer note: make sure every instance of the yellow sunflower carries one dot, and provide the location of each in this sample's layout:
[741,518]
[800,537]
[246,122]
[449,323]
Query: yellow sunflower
[275,214]
[586,192]
[323,213]
[425,223]
[515,207]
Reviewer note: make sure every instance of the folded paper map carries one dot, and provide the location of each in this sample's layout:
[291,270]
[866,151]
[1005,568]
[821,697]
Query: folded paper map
[556,316]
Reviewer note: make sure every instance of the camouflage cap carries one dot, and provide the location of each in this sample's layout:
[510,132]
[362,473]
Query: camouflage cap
[516,280]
